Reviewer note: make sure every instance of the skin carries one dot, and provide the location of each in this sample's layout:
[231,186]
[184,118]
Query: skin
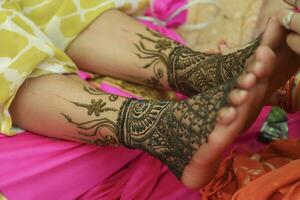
[147,58]
[110,54]
[293,37]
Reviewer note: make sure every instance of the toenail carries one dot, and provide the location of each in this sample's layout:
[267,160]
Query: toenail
[230,110]
[258,66]
[226,115]
[249,75]
[242,93]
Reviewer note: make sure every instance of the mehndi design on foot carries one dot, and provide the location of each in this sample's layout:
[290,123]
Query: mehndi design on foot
[189,72]
[169,130]
[157,53]
[193,72]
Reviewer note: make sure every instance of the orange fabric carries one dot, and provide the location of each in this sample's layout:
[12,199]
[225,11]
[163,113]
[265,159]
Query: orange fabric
[272,174]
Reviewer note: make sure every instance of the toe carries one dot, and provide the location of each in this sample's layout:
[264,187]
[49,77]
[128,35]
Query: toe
[262,68]
[259,70]
[246,81]
[226,115]
[237,97]
[197,175]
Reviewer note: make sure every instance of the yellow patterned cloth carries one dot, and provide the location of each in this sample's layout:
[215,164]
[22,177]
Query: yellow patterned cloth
[34,35]
[2,197]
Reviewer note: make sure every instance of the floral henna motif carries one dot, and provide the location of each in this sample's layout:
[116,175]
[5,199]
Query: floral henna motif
[156,52]
[171,131]
[92,131]
[192,72]
[95,107]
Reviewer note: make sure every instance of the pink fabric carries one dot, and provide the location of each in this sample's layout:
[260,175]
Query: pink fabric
[162,10]
[117,91]
[35,167]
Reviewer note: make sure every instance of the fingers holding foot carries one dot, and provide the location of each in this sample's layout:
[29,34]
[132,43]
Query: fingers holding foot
[290,20]
[293,3]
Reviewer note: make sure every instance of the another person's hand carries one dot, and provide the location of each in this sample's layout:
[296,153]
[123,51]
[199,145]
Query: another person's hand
[290,19]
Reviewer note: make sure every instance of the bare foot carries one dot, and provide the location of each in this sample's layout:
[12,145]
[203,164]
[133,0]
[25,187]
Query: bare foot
[282,63]
[231,121]
[189,136]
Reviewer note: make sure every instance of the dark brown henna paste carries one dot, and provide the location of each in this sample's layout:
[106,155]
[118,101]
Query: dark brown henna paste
[190,72]
[171,131]
[155,53]
[92,131]
[193,72]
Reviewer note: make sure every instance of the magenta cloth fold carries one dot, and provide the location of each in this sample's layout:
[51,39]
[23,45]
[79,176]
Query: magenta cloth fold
[34,167]
[162,10]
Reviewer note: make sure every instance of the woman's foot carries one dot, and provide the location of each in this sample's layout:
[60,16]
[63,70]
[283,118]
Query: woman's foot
[188,136]
[190,72]
[285,63]
[193,72]
[204,164]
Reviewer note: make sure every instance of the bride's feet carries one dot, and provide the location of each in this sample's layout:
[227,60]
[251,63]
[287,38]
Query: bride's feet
[188,136]
[205,162]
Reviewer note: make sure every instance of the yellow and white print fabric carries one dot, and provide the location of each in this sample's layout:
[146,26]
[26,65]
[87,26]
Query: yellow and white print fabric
[33,37]
[2,197]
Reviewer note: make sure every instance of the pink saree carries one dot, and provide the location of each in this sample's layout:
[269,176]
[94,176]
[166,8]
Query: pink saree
[35,167]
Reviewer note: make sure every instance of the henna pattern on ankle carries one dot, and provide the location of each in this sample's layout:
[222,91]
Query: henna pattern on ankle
[171,131]
[193,72]
[188,71]
[155,52]
[92,131]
